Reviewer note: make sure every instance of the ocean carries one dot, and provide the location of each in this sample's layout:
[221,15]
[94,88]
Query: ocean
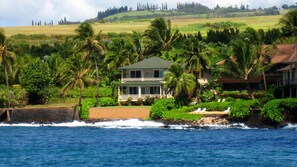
[145,143]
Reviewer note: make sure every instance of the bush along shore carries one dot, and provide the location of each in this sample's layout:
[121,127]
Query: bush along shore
[275,113]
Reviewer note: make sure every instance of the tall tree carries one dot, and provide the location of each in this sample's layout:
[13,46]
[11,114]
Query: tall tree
[245,63]
[138,45]
[5,59]
[289,23]
[76,74]
[178,81]
[196,57]
[91,45]
[252,36]
[160,36]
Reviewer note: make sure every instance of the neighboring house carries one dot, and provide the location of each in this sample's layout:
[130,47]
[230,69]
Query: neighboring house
[288,73]
[143,79]
[283,73]
[146,79]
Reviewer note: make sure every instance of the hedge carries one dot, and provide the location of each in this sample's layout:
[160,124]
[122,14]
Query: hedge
[274,109]
[107,101]
[241,108]
[160,106]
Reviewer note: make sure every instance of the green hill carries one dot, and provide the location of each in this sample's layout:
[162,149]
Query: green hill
[135,15]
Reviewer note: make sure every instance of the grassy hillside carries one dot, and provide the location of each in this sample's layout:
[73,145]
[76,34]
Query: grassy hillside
[187,24]
[132,15]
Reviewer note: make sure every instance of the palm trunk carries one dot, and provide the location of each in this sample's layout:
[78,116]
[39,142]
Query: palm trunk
[264,80]
[250,92]
[80,97]
[97,83]
[8,93]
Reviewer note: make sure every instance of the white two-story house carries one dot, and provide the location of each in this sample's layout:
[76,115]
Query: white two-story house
[143,79]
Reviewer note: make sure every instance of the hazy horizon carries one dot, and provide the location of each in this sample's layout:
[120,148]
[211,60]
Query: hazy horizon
[22,12]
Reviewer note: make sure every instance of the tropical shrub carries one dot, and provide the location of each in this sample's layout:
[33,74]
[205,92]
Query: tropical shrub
[241,108]
[107,101]
[207,96]
[274,109]
[18,97]
[86,104]
[139,102]
[149,100]
[160,106]
[90,92]
[36,79]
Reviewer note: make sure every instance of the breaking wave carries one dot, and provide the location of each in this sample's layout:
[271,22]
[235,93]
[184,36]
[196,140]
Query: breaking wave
[123,124]
[127,124]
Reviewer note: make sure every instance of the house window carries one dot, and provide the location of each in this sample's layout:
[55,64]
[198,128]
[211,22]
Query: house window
[142,90]
[124,74]
[154,90]
[158,74]
[135,74]
[123,90]
[133,90]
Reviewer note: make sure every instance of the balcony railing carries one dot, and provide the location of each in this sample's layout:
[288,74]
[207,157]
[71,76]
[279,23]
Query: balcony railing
[136,97]
[141,79]
[289,82]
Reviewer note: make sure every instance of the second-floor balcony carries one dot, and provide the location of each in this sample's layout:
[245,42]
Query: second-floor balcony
[142,79]
[287,82]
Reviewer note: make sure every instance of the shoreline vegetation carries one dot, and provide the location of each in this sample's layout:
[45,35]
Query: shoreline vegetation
[82,69]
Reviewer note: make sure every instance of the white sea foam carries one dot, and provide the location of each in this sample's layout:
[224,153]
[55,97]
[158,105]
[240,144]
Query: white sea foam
[132,124]
[123,124]
[291,126]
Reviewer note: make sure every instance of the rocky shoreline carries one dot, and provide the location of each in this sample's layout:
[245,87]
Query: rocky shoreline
[255,120]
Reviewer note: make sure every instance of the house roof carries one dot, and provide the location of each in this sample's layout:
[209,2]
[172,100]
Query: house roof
[150,63]
[284,53]
[287,68]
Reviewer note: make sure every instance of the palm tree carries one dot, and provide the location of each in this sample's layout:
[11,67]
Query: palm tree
[91,45]
[57,67]
[178,81]
[289,23]
[250,35]
[197,57]
[160,36]
[246,63]
[138,45]
[5,59]
[76,74]
[120,53]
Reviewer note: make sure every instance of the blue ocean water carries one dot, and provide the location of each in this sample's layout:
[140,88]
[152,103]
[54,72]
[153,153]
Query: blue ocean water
[136,143]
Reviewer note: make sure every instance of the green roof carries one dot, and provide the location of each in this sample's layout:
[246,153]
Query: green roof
[150,63]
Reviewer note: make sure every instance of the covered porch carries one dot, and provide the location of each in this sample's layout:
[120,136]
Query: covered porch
[140,90]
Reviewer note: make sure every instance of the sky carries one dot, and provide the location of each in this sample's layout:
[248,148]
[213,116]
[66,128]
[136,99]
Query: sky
[22,12]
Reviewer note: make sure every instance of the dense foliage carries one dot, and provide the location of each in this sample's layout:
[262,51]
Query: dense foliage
[160,106]
[241,108]
[36,79]
[86,104]
[181,114]
[19,97]
[71,67]
[107,101]
[275,109]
